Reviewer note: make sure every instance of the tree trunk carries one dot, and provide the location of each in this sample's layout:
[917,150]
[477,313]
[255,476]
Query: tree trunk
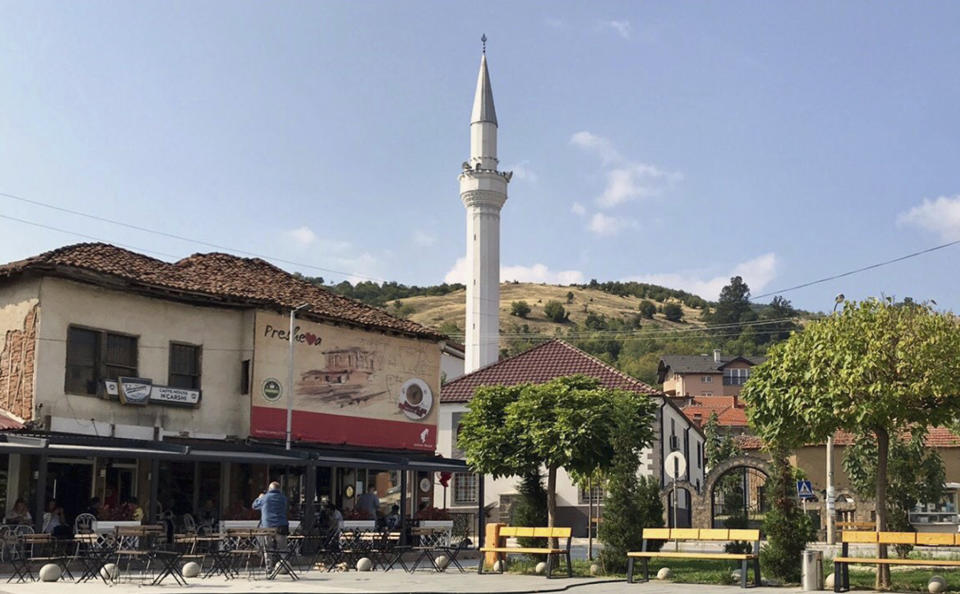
[883,450]
[552,501]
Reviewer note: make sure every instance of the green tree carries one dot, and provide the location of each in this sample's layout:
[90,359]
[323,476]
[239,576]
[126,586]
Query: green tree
[555,312]
[875,366]
[673,312]
[734,303]
[787,528]
[519,309]
[564,423]
[915,472]
[647,309]
[531,506]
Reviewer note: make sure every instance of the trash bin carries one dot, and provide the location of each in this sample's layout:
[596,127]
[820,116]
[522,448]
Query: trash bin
[812,570]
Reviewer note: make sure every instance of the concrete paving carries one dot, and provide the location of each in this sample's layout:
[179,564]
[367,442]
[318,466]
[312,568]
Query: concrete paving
[394,581]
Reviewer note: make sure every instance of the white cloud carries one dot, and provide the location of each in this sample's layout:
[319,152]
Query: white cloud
[625,180]
[522,171]
[423,239]
[555,23]
[598,145]
[636,180]
[607,226]
[622,28]
[757,273]
[538,273]
[302,236]
[941,216]
[578,209]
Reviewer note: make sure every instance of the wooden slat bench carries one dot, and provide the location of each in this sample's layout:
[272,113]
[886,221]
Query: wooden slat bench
[841,564]
[528,532]
[698,534]
[843,526]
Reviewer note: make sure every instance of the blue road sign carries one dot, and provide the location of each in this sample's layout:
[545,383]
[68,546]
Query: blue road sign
[805,490]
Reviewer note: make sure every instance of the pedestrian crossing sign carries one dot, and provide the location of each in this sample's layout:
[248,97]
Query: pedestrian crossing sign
[805,490]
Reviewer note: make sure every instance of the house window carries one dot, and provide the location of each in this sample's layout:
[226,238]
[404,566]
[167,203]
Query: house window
[735,376]
[464,488]
[96,355]
[596,494]
[699,455]
[706,393]
[245,376]
[184,366]
[707,379]
[456,452]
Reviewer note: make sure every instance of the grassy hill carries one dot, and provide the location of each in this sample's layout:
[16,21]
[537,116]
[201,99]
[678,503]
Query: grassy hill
[446,311]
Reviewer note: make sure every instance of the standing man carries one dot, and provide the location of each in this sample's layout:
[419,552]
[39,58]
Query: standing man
[369,503]
[273,514]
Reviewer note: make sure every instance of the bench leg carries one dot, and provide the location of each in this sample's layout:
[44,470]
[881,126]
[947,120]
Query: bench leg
[630,561]
[569,565]
[549,564]
[646,569]
[756,571]
[743,573]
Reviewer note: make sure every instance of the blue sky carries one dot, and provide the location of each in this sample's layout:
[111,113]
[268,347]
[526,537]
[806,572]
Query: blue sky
[677,143]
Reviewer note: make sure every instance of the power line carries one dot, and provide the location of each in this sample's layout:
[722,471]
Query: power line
[168,235]
[858,270]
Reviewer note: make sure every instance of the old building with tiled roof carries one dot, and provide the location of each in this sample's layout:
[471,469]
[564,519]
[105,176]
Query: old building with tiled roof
[133,361]
[542,363]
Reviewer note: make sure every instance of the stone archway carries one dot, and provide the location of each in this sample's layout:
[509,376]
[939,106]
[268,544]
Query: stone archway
[701,499]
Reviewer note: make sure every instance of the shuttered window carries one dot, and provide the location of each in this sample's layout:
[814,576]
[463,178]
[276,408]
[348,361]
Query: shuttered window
[97,355]
[184,366]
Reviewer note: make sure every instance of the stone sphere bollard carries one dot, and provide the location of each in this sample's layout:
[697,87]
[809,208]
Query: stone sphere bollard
[936,585]
[364,564]
[49,572]
[828,582]
[498,566]
[664,574]
[110,571]
[442,561]
[594,569]
[190,569]
[541,568]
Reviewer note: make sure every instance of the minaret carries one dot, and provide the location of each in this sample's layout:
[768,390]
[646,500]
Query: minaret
[483,190]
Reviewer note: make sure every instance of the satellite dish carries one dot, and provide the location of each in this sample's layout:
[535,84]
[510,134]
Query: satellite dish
[675,465]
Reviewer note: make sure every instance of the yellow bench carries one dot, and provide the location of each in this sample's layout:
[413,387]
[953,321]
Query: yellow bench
[700,535]
[514,532]
[841,564]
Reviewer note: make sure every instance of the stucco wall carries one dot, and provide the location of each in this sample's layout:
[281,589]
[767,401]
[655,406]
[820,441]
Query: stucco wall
[225,335]
[19,319]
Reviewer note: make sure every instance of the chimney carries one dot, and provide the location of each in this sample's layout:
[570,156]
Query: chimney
[716,355]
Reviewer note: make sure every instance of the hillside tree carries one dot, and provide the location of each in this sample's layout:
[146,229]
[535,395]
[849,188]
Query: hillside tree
[875,366]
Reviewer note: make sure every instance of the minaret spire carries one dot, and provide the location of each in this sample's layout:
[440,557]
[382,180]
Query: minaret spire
[483,190]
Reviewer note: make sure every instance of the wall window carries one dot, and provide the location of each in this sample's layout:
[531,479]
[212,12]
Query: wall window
[707,379]
[96,355]
[706,393]
[464,488]
[456,452]
[736,376]
[184,366]
[585,495]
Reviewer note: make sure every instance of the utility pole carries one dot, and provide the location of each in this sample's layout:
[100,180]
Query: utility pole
[831,495]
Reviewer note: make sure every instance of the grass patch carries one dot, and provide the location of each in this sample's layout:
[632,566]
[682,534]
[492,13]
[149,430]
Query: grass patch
[904,580]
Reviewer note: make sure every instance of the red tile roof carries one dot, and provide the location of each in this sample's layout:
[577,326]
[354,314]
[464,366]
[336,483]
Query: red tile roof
[730,412]
[542,363]
[214,278]
[937,437]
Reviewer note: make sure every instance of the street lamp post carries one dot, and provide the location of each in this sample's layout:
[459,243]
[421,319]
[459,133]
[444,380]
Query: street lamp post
[831,495]
[290,339]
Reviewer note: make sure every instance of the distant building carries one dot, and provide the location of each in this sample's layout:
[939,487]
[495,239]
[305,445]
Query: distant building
[540,364]
[703,385]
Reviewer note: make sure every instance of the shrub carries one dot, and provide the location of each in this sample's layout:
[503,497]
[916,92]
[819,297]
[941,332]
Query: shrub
[647,309]
[519,309]
[531,508]
[673,312]
[787,528]
[555,312]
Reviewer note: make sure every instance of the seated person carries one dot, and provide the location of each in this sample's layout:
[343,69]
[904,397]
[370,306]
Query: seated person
[19,514]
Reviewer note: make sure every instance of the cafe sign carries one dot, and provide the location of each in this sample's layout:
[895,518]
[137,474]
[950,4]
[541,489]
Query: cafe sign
[141,391]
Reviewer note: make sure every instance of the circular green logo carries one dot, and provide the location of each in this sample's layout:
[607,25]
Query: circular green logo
[272,390]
